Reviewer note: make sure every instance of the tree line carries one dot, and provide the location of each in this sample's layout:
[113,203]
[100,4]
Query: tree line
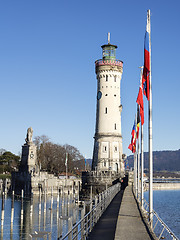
[8,161]
[51,157]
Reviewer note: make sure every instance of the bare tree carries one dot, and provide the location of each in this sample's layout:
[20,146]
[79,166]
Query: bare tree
[52,157]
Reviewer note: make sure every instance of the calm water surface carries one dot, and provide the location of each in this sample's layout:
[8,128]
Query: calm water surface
[167,205]
[42,220]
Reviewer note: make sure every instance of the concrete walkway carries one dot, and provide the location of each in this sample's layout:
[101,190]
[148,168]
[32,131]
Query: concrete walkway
[130,224]
[121,220]
[106,226]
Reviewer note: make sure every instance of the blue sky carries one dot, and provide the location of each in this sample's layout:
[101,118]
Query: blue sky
[47,73]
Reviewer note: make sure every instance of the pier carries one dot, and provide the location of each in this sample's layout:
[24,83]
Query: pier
[113,214]
[121,220]
[130,224]
[119,217]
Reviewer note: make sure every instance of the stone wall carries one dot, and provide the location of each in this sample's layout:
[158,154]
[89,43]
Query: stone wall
[46,182]
[51,184]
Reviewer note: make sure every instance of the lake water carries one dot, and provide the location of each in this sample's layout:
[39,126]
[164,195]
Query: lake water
[31,216]
[167,205]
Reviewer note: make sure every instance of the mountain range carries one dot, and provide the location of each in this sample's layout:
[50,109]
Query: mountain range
[162,160]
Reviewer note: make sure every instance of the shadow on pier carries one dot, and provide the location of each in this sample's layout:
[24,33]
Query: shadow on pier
[106,226]
[121,220]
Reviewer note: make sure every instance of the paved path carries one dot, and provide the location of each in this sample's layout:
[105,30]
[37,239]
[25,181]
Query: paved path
[106,226]
[121,220]
[130,225]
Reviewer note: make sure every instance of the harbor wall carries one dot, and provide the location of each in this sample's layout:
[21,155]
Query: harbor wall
[166,186]
[44,183]
[163,186]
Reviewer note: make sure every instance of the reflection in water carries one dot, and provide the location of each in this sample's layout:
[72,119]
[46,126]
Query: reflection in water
[45,214]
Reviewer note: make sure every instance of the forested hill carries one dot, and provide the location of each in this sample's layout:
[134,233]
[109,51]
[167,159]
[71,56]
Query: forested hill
[162,160]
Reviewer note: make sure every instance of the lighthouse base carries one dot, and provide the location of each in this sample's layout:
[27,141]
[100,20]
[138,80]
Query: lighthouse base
[95,182]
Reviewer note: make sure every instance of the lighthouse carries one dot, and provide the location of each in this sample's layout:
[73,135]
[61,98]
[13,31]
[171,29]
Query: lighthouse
[108,151]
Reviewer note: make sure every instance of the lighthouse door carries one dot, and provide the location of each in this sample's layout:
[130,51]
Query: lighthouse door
[116,167]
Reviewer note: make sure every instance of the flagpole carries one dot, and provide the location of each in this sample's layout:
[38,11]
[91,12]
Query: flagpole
[66,165]
[138,154]
[135,162]
[150,131]
[142,155]
[142,168]
[135,173]
[138,171]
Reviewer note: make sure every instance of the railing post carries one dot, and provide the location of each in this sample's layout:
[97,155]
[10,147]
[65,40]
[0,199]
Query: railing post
[70,227]
[100,204]
[61,226]
[82,222]
[76,229]
[95,210]
[103,201]
[108,196]
[90,215]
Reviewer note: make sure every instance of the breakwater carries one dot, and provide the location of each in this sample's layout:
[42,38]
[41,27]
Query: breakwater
[164,184]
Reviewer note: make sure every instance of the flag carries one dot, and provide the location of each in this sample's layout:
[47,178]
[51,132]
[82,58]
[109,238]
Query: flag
[138,122]
[146,70]
[141,104]
[132,145]
[85,162]
[126,164]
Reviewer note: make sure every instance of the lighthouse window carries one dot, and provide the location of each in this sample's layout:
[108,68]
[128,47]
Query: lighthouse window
[115,78]
[115,126]
[115,149]
[114,95]
[106,110]
[106,95]
[104,163]
[106,78]
[104,148]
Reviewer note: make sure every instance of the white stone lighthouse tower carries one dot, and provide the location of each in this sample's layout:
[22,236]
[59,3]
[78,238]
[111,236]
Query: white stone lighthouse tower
[107,155]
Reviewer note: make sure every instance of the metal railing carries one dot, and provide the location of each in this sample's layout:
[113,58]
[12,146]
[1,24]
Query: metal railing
[98,205]
[101,62]
[160,229]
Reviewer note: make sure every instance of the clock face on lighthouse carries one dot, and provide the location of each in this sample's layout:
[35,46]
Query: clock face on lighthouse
[99,95]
